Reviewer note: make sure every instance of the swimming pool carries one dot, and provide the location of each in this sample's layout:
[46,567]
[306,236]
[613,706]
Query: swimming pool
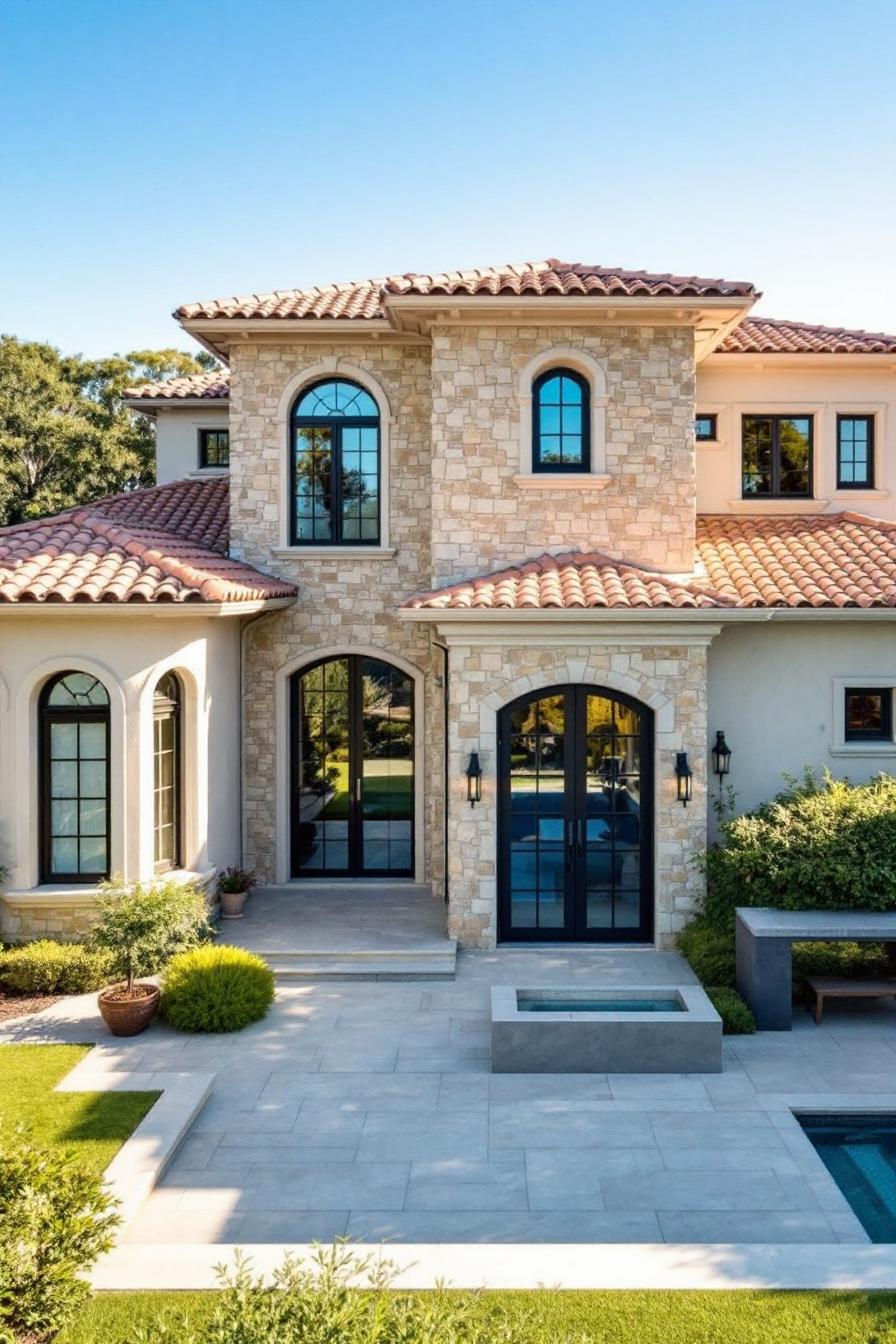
[860,1153]
[563,1004]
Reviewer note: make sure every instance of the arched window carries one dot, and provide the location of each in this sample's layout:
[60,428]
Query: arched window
[74,741]
[166,764]
[335,466]
[561,418]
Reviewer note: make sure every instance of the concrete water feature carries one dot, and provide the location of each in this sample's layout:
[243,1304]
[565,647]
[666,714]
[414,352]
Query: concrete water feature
[622,1029]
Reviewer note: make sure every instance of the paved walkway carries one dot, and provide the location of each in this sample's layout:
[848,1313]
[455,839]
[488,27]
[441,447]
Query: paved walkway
[368,1109]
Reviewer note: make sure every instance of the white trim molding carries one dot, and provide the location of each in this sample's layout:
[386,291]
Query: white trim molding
[571,357]
[283,738]
[333,366]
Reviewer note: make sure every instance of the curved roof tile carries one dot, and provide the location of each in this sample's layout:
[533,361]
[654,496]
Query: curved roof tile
[774,336]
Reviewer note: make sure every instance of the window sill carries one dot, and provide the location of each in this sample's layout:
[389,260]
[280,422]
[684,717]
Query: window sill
[863,492]
[777,505]
[546,480]
[335,552]
[864,749]
[52,893]
[203,473]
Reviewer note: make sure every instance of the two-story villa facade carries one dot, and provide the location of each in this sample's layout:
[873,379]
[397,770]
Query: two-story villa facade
[454,580]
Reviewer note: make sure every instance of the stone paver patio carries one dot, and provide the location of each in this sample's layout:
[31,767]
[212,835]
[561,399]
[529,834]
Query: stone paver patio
[368,1109]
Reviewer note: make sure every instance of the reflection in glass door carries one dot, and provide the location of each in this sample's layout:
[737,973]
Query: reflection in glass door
[353,770]
[575,828]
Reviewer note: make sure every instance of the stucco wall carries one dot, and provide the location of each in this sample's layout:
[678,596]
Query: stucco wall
[776,691]
[177,438]
[735,388]
[128,653]
[671,680]
[483,520]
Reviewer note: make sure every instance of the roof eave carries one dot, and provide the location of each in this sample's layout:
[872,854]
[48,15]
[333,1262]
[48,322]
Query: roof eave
[455,616]
[155,610]
[803,359]
[149,405]
[219,334]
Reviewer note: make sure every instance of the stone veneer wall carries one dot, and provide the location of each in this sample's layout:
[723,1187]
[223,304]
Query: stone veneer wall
[347,602]
[483,521]
[671,680]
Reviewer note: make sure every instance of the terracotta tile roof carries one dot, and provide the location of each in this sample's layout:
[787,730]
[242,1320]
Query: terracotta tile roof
[164,544]
[831,560]
[565,581]
[368,298]
[211,386]
[773,336]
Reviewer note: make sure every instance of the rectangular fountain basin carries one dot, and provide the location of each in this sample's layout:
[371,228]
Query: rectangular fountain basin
[626,1029]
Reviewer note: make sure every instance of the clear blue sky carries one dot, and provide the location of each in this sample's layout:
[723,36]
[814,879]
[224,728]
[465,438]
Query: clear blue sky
[157,151]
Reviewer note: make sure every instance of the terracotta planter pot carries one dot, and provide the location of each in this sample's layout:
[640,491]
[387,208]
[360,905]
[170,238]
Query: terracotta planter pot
[129,1016]
[232,904]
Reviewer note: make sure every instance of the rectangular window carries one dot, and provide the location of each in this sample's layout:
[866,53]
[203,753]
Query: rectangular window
[705,428]
[868,714]
[855,452]
[776,456]
[214,447]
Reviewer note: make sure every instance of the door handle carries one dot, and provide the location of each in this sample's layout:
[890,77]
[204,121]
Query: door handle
[358,783]
[581,847]
[570,839]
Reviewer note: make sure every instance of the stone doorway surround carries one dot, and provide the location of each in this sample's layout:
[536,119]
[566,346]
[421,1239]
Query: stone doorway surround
[496,657]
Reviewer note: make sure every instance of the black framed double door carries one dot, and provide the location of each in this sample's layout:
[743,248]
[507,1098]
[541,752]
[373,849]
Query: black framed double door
[352,769]
[575,859]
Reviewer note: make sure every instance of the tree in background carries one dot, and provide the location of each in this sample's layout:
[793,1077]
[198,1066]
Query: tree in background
[65,435]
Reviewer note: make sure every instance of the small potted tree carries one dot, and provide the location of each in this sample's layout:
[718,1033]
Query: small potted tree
[234,885]
[140,927]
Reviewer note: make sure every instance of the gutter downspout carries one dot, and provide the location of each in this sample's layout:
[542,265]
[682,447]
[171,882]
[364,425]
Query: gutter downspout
[444,648]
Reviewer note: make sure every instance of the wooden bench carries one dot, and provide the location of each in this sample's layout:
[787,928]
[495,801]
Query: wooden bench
[846,989]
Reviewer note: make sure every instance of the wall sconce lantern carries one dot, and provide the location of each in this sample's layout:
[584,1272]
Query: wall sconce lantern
[721,756]
[474,780]
[685,776]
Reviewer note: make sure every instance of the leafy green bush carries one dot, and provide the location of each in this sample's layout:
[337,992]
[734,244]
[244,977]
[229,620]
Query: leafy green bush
[709,950]
[47,967]
[55,1220]
[142,925]
[853,961]
[737,1020]
[820,845]
[313,1303]
[216,989]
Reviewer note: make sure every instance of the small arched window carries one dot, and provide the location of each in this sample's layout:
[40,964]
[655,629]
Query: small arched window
[561,416]
[74,756]
[167,827]
[335,466]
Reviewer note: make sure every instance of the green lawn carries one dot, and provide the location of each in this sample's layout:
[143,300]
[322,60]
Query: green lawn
[94,1125]
[597,1317]
[385,796]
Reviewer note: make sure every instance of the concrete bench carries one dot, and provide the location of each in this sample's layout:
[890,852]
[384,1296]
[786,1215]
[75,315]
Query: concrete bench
[763,942]
[846,989]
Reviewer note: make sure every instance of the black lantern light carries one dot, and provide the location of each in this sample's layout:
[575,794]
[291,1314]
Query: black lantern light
[685,776]
[474,779]
[721,756]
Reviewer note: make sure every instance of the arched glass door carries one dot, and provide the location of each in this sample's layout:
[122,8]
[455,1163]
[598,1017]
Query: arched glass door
[576,832]
[352,770]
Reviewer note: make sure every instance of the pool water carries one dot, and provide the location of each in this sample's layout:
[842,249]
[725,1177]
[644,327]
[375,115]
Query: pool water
[860,1153]
[526,1005]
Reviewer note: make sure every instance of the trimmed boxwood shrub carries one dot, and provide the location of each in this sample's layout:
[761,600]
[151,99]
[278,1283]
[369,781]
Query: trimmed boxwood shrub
[48,967]
[709,950]
[820,845]
[216,989]
[737,1020]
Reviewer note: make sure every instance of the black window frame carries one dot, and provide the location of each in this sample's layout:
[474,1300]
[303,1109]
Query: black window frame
[882,734]
[204,435]
[561,468]
[713,418]
[168,707]
[335,424]
[48,715]
[776,419]
[867,484]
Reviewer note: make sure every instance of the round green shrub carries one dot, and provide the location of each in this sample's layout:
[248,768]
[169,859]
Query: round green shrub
[216,989]
[737,1020]
[820,845]
[48,967]
[709,950]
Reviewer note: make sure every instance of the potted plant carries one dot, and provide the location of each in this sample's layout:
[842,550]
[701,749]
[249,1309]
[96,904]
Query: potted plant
[139,928]
[234,885]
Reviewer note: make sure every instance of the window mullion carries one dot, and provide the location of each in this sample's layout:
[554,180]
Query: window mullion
[336,485]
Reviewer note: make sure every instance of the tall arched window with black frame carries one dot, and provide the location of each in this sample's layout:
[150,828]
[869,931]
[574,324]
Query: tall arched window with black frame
[561,413]
[335,466]
[74,779]
[167,773]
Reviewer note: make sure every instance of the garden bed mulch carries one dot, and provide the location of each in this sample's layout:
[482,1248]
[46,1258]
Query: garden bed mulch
[20,1005]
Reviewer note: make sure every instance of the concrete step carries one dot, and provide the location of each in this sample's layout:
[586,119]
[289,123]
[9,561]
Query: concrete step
[432,962]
